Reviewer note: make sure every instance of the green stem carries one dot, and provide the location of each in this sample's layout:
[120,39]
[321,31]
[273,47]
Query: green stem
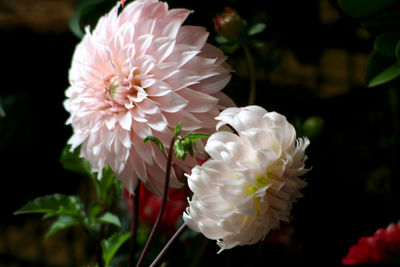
[135,215]
[252,74]
[164,202]
[178,233]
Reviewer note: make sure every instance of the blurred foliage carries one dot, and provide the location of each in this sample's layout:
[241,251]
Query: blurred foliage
[381,18]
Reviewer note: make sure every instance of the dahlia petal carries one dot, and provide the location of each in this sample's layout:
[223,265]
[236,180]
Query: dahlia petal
[125,120]
[192,35]
[145,63]
[145,151]
[171,102]
[148,106]
[181,79]
[189,122]
[210,51]
[213,84]
[172,23]
[224,100]
[181,55]
[162,47]
[159,88]
[202,102]
[157,122]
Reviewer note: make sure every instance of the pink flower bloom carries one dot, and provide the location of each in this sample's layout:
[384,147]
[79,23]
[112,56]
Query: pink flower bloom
[150,204]
[378,248]
[140,73]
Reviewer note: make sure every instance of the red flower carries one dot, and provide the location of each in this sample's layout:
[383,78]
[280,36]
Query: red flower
[378,248]
[149,206]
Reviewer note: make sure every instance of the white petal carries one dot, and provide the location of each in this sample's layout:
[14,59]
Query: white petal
[125,120]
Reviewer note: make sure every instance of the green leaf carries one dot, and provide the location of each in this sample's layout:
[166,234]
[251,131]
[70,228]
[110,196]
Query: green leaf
[179,150]
[2,112]
[257,28]
[397,50]
[156,141]
[221,39]
[109,218]
[56,204]
[111,245]
[363,8]
[387,75]
[195,136]
[386,43]
[61,223]
[87,13]
[230,48]
[94,210]
[312,126]
[71,161]
[177,130]
[188,146]
[106,183]
[390,17]
[376,64]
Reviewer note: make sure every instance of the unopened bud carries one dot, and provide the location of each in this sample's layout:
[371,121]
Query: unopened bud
[230,25]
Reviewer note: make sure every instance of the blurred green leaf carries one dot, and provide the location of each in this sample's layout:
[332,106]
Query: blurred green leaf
[195,136]
[390,17]
[179,149]
[111,245]
[386,43]
[221,39]
[156,141]
[387,75]
[177,130]
[109,218]
[376,64]
[88,13]
[2,112]
[62,222]
[70,160]
[397,50]
[106,182]
[229,48]
[94,210]
[312,126]
[56,204]
[363,8]
[188,146]
[257,28]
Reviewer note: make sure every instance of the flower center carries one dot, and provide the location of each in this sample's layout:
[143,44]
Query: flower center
[261,180]
[117,89]
[122,91]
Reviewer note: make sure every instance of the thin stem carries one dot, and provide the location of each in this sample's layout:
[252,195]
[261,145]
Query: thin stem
[164,201]
[170,242]
[99,249]
[252,73]
[134,225]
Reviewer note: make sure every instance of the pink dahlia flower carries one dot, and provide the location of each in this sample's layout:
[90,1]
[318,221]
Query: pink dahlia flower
[251,180]
[379,248]
[139,73]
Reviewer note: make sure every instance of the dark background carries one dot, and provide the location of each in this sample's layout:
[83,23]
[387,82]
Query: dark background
[311,64]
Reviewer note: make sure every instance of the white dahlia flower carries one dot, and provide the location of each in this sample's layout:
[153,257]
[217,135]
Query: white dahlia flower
[139,73]
[251,180]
